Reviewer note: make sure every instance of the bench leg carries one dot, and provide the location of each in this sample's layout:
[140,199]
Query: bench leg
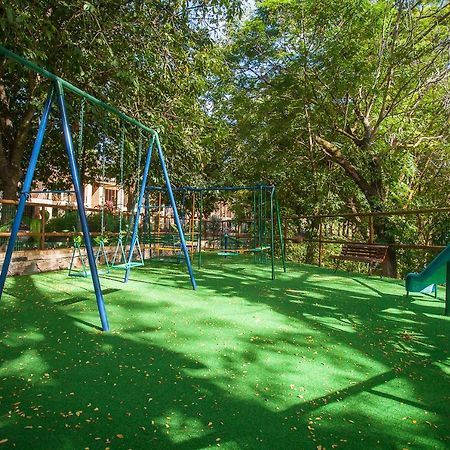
[337,266]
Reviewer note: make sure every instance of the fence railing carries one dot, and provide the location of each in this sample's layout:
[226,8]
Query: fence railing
[53,225]
[413,236]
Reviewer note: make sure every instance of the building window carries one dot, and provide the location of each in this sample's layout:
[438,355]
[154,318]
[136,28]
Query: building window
[111,196]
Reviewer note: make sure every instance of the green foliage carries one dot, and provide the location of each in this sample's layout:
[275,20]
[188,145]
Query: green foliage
[64,223]
[340,103]
[152,63]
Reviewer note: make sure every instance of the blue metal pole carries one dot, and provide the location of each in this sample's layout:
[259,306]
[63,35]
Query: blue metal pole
[81,211]
[175,213]
[148,161]
[26,187]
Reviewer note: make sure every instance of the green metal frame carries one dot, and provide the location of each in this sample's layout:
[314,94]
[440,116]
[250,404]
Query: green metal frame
[264,201]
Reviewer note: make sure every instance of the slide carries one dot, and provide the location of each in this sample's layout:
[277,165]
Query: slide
[435,273]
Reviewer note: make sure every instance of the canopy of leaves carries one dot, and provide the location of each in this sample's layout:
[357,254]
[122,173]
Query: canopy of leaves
[343,104]
[151,59]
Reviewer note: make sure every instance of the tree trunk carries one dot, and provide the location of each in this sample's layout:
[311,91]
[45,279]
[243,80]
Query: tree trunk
[14,137]
[311,233]
[9,183]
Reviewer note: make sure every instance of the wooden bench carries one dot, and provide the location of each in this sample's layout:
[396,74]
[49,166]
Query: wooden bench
[372,255]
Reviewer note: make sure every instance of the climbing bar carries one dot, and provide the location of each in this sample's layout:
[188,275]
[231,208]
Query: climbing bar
[212,188]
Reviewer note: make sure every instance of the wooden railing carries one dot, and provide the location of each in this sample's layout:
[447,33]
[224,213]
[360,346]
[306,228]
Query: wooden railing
[319,222]
[42,235]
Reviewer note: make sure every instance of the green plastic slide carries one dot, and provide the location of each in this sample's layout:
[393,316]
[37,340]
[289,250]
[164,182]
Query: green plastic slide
[435,273]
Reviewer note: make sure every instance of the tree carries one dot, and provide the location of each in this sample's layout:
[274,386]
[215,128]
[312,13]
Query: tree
[353,85]
[149,58]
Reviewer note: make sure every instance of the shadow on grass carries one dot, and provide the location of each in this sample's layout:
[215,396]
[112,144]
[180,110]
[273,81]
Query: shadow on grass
[64,386]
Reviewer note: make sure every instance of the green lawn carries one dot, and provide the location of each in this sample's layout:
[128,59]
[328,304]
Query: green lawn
[312,359]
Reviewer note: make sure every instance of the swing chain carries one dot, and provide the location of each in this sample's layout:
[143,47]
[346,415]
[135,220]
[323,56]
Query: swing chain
[121,184]
[103,161]
[81,126]
[139,160]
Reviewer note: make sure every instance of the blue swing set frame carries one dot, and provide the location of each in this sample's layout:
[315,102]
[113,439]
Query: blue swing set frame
[56,93]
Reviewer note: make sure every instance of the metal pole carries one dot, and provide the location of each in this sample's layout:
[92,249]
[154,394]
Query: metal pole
[146,228]
[9,54]
[272,233]
[81,211]
[158,240]
[254,226]
[193,222]
[148,160]
[280,232]
[260,224]
[447,290]
[25,188]
[200,222]
[320,242]
[370,229]
[175,213]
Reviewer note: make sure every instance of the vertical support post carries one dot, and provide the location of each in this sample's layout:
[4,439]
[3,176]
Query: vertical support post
[43,220]
[254,226]
[137,214]
[193,222]
[370,229]
[200,223]
[146,228]
[320,241]
[447,290]
[183,210]
[272,232]
[80,202]
[175,212]
[280,233]
[260,225]
[25,188]
[158,218]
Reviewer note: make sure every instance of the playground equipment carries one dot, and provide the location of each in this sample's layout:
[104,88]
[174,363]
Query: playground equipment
[258,241]
[161,233]
[119,259]
[437,272]
[57,89]
[77,254]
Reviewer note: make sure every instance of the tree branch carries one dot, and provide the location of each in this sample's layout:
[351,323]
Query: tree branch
[333,153]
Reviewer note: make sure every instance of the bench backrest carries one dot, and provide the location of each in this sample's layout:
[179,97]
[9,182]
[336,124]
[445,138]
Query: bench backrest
[365,251]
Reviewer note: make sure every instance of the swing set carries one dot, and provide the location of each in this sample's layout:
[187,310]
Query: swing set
[56,93]
[263,226]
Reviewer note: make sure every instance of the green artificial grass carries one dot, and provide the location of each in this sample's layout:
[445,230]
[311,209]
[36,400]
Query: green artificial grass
[311,360]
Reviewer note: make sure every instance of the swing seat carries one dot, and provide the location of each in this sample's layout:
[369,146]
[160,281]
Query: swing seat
[79,274]
[259,249]
[86,274]
[128,265]
[231,253]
